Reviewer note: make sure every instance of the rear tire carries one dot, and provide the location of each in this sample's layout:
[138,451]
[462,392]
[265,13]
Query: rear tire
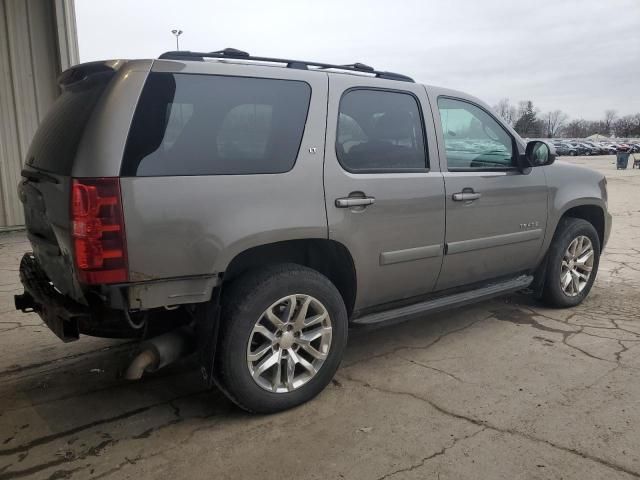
[263,318]
[573,260]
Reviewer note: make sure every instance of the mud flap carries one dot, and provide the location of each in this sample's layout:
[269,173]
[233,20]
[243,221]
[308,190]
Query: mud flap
[540,275]
[207,327]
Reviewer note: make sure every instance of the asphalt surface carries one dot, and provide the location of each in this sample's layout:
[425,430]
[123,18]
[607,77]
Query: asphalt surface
[504,389]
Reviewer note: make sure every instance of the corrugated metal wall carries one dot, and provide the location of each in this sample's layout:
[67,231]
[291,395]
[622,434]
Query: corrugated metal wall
[37,41]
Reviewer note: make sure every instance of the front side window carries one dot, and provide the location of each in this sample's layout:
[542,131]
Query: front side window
[188,124]
[472,138]
[380,131]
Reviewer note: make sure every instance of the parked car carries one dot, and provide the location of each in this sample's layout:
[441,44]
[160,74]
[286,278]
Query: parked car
[596,148]
[589,149]
[252,213]
[608,149]
[564,149]
[579,148]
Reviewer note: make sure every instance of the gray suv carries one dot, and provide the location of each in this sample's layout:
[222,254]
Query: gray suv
[251,210]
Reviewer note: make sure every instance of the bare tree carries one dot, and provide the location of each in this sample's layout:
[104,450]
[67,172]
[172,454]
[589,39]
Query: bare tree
[553,122]
[627,126]
[609,118]
[576,129]
[506,111]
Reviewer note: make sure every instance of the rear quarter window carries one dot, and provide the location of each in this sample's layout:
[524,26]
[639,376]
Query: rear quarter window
[189,124]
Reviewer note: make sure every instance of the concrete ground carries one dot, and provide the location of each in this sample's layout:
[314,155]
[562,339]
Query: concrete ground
[504,389]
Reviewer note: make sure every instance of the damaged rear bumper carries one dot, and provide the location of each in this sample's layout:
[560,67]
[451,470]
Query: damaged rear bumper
[61,314]
[64,316]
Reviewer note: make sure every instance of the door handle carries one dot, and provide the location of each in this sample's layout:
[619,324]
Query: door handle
[350,202]
[468,196]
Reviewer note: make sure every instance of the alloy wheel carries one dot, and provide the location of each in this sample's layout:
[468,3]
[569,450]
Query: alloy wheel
[289,343]
[577,265]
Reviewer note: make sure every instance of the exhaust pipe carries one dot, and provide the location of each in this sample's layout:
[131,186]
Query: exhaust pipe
[25,302]
[160,351]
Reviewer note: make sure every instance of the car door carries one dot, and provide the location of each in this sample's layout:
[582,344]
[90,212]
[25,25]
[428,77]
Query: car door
[496,215]
[384,191]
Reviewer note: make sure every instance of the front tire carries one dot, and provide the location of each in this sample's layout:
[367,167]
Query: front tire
[283,334]
[573,261]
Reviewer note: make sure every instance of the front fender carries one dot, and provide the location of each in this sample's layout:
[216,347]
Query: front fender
[571,186]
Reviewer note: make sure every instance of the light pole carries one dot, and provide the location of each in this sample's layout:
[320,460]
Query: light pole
[177,34]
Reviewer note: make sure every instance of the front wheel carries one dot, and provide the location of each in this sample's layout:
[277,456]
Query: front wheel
[283,333]
[572,266]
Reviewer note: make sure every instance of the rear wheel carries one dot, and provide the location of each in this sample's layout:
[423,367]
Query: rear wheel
[573,262]
[283,334]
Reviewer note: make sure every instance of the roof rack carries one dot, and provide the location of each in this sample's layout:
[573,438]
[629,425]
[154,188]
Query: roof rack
[297,64]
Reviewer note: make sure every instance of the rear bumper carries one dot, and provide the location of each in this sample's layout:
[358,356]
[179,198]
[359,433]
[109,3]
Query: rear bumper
[61,314]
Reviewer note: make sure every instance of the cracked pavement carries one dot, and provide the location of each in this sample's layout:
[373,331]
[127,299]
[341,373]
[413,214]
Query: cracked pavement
[502,389]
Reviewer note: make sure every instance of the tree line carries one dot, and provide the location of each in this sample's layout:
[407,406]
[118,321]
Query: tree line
[529,121]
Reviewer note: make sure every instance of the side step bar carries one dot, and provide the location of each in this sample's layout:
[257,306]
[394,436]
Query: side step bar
[407,312]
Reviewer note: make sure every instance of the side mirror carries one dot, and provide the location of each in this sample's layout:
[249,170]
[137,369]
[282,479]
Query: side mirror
[538,154]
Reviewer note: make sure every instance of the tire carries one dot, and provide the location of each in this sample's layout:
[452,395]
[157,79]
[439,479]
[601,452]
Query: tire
[245,305]
[570,230]
[572,153]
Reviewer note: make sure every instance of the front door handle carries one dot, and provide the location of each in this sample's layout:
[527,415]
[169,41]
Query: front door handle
[466,196]
[350,202]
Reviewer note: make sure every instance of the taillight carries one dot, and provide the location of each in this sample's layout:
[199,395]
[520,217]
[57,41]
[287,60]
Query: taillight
[97,228]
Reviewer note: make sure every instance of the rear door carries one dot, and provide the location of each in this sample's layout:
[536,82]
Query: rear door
[496,215]
[221,158]
[45,189]
[384,191]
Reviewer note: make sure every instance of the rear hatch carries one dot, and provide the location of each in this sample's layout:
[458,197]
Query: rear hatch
[45,189]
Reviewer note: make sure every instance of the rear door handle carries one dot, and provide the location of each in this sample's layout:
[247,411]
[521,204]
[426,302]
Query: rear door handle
[466,196]
[350,202]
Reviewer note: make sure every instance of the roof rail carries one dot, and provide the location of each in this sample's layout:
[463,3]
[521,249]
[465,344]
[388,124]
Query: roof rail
[297,64]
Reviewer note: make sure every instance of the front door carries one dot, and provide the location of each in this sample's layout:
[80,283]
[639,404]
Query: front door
[383,188]
[496,215]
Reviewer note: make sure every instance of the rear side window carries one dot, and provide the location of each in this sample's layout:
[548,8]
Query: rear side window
[380,131]
[188,124]
[56,141]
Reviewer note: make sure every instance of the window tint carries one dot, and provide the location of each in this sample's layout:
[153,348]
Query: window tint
[177,114]
[472,138]
[212,125]
[245,132]
[380,131]
[56,141]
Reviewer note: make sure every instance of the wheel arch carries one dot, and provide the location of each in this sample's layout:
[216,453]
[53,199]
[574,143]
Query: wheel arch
[330,258]
[592,213]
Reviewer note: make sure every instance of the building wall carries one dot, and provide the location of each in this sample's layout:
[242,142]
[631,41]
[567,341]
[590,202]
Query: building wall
[37,42]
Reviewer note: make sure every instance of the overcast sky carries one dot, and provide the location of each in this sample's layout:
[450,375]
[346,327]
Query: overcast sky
[582,57]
